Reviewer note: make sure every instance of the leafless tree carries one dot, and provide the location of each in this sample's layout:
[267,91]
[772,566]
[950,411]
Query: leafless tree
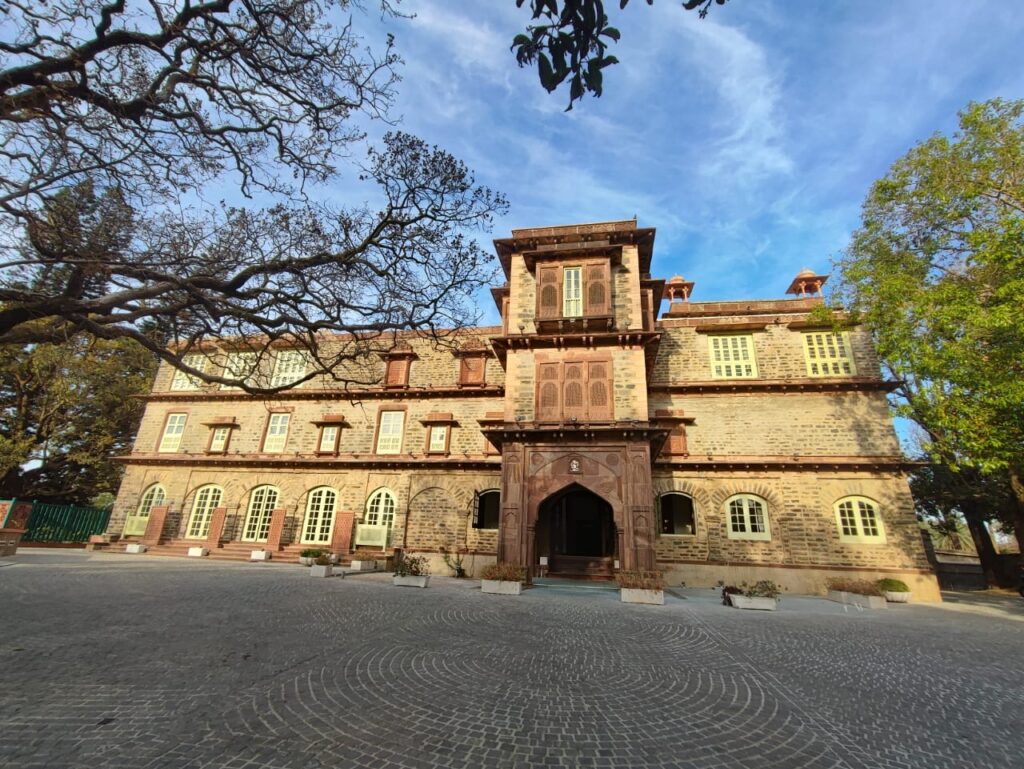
[114,115]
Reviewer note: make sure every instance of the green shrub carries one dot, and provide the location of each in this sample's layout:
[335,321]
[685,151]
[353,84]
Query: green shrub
[323,560]
[504,571]
[641,580]
[412,566]
[888,585]
[311,552]
[764,588]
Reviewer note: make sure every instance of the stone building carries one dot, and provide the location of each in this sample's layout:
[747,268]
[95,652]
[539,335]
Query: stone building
[732,441]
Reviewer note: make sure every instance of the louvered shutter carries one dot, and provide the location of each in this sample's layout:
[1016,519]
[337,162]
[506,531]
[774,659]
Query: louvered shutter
[473,371]
[676,443]
[548,393]
[397,373]
[599,391]
[549,301]
[596,289]
[574,402]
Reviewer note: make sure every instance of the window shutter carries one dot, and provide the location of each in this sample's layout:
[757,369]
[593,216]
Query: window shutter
[676,443]
[548,393]
[397,373]
[596,284]
[574,404]
[599,391]
[477,512]
[472,371]
[549,303]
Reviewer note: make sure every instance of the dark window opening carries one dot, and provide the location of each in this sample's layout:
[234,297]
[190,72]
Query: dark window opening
[677,515]
[487,510]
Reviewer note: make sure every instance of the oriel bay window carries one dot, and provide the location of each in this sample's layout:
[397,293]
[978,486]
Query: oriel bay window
[574,391]
[574,290]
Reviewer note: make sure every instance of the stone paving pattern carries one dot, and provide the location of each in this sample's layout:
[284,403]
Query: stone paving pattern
[118,661]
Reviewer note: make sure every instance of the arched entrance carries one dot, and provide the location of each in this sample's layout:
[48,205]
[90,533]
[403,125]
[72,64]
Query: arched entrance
[576,533]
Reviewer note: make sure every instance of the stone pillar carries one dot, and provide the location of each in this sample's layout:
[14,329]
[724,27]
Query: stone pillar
[639,518]
[276,529]
[512,534]
[341,542]
[218,518]
[155,525]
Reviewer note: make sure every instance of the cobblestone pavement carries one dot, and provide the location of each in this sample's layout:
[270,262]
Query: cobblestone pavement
[138,662]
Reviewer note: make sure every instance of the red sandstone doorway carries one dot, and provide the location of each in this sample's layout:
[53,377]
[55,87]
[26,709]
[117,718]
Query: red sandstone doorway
[576,533]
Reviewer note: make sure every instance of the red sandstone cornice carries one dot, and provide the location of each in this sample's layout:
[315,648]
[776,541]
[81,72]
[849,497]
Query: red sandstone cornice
[566,237]
[450,462]
[347,396]
[715,386]
[679,310]
[791,463]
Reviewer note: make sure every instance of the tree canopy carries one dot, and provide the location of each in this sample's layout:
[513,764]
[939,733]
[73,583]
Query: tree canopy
[148,104]
[569,39]
[937,272]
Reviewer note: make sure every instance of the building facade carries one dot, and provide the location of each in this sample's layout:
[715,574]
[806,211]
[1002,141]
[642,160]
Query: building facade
[730,441]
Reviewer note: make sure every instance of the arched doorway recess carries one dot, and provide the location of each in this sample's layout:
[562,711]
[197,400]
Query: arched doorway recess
[576,533]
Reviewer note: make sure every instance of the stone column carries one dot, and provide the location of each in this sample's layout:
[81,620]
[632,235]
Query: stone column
[276,529]
[218,518]
[341,542]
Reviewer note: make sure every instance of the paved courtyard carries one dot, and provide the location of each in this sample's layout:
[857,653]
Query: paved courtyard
[121,661]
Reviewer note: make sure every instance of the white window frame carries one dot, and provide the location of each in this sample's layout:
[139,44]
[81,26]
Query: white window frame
[152,497]
[828,355]
[381,507]
[219,440]
[390,432]
[276,437]
[263,500]
[289,367]
[185,381]
[572,292]
[851,515]
[174,429]
[438,439]
[732,356]
[239,365]
[207,499]
[746,502]
[321,507]
[328,442]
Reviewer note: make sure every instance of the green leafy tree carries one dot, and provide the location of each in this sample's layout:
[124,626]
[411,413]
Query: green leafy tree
[936,270]
[568,41]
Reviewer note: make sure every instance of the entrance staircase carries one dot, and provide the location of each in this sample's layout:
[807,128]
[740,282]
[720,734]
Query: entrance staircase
[586,567]
[234,551]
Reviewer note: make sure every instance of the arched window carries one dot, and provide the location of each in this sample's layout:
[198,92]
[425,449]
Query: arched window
[677,515]
[262,502]
[858,520]
[320,505]
[380,509]
[153,496]
[488,510]
[206,499]
[747,517]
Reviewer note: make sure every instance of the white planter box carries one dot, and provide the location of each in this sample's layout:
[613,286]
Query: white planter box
[410,581]
[135,548]
[501,587]
[259,555]
[364,565]
[760,602]
[856,599]
[321,571]
[197,552]
[635,595]
[896,597]
[305,560]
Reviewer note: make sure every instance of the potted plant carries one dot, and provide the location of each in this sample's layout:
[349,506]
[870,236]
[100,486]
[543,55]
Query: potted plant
[894,590]
[309,555]
[641,587]
[502,579]
[728,591]
[322,567]
[763,595]
[862,593]
[412,571]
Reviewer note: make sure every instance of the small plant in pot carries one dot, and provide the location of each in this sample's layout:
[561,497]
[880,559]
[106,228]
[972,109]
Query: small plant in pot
[411,571]
[502,578]
[309,555]
[322,566]
[763,595]
[862,593]
[453,560]
[894,590]
[641,587]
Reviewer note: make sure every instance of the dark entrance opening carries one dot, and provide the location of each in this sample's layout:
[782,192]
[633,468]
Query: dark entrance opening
[576,533]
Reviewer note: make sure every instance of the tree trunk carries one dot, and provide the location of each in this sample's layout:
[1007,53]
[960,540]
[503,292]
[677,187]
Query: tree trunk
[983,544]
[1017,484]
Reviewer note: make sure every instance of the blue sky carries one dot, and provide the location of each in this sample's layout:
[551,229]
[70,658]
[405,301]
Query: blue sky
[748,139]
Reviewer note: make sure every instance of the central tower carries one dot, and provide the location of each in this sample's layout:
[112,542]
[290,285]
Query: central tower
[578,340]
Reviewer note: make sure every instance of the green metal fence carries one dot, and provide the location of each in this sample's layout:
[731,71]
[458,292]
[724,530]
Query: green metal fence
[65,523]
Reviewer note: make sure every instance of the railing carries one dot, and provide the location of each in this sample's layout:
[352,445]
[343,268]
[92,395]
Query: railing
[65,523]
